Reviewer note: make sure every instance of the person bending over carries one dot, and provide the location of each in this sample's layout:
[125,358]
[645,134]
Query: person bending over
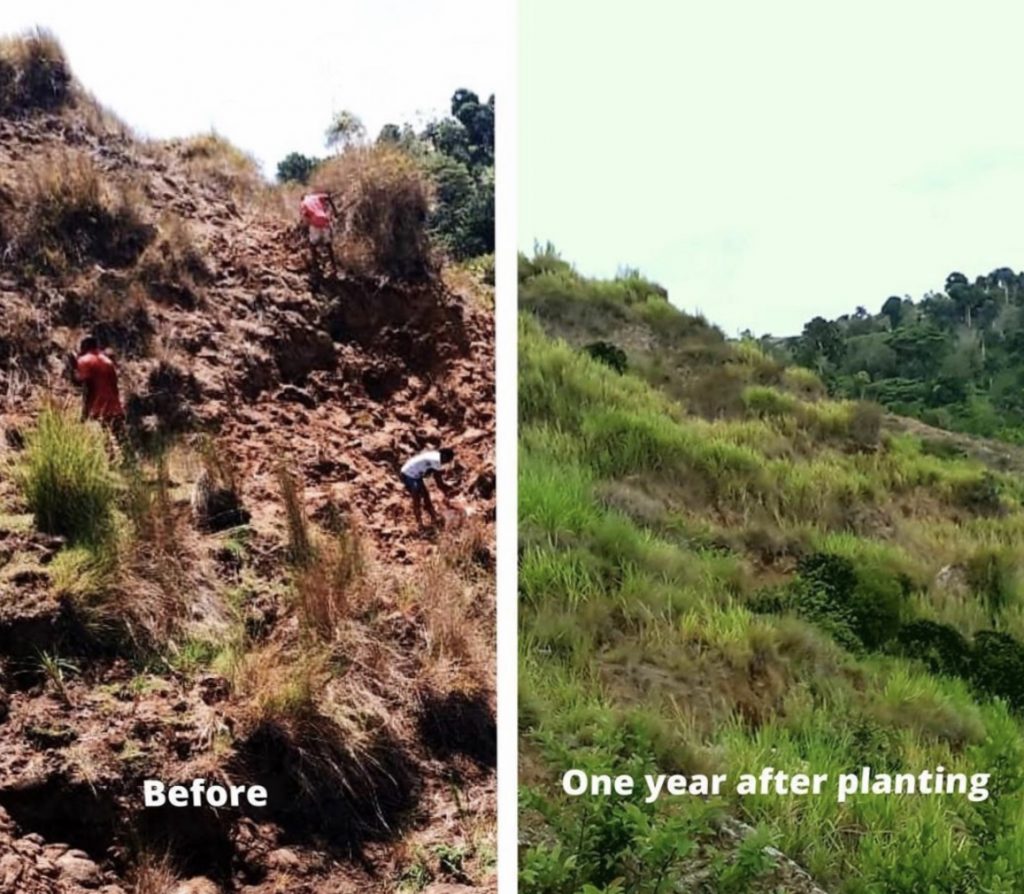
[414,474]
[318,213]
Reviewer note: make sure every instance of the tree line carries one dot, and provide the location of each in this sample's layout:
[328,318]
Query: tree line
[954,358]
[457,154]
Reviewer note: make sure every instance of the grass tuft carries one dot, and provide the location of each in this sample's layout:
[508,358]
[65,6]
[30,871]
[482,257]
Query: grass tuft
[66,478]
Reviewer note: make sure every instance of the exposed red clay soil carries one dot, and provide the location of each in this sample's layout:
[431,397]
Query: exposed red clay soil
[341,385]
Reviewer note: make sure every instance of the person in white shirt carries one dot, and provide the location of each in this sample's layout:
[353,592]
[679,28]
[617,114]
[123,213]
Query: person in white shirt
[414,474]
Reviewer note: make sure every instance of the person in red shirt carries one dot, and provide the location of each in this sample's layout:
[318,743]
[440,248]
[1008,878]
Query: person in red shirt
[318,213]
[96,371]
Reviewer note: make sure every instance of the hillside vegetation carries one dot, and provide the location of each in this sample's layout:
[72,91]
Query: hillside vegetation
[723,569]
[952,359]
[234,589]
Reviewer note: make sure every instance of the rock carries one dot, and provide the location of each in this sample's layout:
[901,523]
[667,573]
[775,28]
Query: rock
[198,885]
[213,688]
[80,869]
[282,858]
[292,394]
[10,871]
[300,348]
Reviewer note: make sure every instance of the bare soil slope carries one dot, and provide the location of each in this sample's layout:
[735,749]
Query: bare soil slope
[384,775]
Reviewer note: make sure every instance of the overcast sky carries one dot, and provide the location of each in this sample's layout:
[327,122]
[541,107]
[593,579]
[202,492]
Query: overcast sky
[269,77]
[768,162]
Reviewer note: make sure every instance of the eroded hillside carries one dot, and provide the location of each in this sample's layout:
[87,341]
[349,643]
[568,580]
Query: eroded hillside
[310,639]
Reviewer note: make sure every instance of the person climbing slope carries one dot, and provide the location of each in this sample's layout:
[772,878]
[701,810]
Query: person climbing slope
[414,474]
[96,371]
[318,213]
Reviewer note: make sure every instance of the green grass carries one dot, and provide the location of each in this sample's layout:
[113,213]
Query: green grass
[650,533]
[66,478]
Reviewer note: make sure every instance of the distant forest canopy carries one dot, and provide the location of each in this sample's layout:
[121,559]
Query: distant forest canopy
[954,359]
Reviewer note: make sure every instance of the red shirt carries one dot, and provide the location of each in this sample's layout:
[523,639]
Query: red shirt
[99,375]
[316,210]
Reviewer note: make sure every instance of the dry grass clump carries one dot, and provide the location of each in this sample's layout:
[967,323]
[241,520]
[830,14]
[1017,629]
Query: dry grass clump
[34,74]
[456,656]
[216,160]
[71,213]
[172,267]
[384,199]
[300,542]
[325,588]
[328,572]
[24,337]
[115,311]
[153,874]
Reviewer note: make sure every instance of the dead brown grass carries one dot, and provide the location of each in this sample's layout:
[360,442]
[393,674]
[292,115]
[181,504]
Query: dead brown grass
[383,198]
[71,213]
[327,587]
[172,267]
[34,74]
[153,874]
[215,160]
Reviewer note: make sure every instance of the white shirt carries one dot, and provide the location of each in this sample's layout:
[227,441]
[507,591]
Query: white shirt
[421,464]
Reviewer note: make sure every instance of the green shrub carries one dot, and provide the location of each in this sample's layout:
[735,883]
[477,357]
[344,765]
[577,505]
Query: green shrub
[860,606]
[941,647]
[998,667]
[608,354]
[762,401]
[67,480]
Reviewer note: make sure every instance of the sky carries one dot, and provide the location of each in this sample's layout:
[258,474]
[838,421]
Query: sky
[269,79]
[768,163]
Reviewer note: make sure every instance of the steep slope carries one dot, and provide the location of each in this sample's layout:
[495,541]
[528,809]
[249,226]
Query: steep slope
[319,644]
[723,571]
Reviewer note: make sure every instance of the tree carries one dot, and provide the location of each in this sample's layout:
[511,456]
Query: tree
[822,340]
[450,138]
[478,120]
[390,133]
[345,129]
[296,167]
[893,309]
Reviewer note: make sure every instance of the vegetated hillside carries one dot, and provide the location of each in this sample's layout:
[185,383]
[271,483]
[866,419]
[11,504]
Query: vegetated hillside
[241,594]
[723,570]
[952,359]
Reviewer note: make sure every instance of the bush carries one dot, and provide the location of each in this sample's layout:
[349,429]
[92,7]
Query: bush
[34,74]
[998,667]
[385,201]
[765,402]
[941,647]
[858,606]
[802,382]
[73,214]
[66,478]
[608,354]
